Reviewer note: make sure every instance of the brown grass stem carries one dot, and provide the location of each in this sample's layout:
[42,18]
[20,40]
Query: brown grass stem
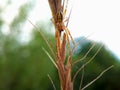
[97,77]
[82,79]
[86,63]
[76,61]
[52,82]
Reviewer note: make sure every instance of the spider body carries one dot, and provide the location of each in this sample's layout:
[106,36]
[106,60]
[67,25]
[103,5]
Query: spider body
[59,22]
[59,17]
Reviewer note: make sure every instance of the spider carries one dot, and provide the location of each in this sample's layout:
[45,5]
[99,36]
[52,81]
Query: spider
[59,9]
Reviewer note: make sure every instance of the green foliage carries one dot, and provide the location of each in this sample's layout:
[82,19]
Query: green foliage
[25,66]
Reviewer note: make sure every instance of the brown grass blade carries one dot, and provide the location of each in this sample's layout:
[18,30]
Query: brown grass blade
[63,48]
[69,84]
[45,39]
[53,7]
[81,79]
[76,61]
[77,43]
[97,77]
[53,61]
[86,63]
[52,82]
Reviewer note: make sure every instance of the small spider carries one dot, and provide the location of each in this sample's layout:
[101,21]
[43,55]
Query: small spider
[59,9]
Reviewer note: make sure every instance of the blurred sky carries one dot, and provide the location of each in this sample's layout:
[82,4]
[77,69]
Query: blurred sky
[98,18]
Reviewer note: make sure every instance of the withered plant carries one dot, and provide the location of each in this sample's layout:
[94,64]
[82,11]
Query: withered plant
[59,9]
[62,62]
[62,35]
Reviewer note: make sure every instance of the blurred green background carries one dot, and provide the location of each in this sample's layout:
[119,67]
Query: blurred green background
[24,64]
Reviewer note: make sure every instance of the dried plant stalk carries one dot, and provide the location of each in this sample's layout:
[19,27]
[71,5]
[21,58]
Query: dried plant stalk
[64,70]
[58,10]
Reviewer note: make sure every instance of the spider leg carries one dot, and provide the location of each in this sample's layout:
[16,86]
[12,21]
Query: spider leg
[67,37]
[69,34]
[65,4]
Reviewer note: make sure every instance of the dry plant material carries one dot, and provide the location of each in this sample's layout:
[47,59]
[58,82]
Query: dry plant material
[64,67]
[58,10]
